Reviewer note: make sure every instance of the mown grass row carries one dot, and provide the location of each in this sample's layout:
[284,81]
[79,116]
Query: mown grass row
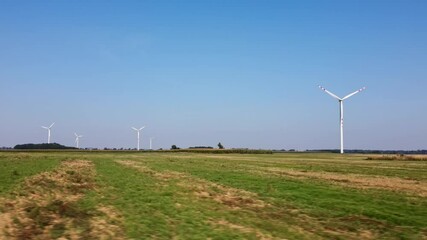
[15,167]
[333,163]
[54,197]
[398,157]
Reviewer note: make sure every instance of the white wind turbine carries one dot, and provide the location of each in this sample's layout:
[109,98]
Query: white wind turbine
[340,100]
[138,130]
[151,143]
[48,131]
[77,139]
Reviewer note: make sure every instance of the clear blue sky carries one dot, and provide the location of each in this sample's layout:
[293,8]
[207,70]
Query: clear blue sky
[243,73]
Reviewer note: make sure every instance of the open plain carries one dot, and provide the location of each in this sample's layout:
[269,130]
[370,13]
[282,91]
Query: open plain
[173,195]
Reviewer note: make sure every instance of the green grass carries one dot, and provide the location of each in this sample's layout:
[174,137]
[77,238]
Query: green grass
[200,196]
[319,199]
[15,167]
[151,208]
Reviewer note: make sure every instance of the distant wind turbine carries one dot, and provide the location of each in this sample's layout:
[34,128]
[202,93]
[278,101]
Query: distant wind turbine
[138,130]
[77,139]
[48,131]
[151,145]
[340,100]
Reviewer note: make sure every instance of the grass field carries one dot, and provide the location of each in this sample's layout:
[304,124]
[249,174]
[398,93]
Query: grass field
[129,195]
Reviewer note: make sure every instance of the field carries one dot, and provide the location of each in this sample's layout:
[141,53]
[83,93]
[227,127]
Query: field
[173,195]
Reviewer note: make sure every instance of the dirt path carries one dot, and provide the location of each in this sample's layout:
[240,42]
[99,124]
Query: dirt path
[46,207]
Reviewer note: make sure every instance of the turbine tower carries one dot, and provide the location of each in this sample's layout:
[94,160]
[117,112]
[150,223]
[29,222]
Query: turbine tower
[151,141]
[48,132]
[77,139]
[138,130]
[340,100]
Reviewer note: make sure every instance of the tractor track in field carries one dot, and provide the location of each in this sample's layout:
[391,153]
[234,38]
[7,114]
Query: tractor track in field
[46,206]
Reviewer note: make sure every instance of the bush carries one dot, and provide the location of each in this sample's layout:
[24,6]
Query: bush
[174,147]
[42,146]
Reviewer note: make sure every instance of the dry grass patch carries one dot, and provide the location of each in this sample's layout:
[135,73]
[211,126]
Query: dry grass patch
[107,226]
[242,229]
[360,181]
[228,157]
[46,207]
[160,175]
[231,197]
[398,157]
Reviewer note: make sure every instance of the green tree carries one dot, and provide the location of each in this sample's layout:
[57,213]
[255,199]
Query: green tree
[220,146]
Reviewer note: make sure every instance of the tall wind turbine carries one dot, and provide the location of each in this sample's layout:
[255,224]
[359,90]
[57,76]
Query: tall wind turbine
[340,100]
[151,141]
[48,131]
[138,130]
[77,139]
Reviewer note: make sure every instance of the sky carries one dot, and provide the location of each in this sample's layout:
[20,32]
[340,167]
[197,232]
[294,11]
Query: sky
[195,73]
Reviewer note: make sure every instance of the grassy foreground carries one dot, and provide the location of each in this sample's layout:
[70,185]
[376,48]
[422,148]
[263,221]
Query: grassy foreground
[129,195]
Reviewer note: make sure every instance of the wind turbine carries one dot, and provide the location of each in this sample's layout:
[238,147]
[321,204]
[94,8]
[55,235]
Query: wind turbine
[340,100]
[48,132]
[151,140]
[138,130]
[77,139]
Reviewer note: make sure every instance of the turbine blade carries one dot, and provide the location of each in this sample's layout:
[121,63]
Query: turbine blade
[333,95]
[76,135]
[45,127]
[351,94]
[134,129]
[141,128]
[51,125]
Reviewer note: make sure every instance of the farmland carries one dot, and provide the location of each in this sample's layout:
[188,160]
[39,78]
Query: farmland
[174,195]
